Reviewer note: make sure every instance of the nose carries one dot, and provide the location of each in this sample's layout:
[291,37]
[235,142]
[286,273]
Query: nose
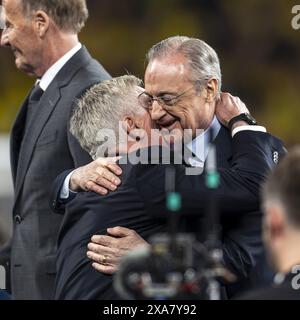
[157,112]
[4,38]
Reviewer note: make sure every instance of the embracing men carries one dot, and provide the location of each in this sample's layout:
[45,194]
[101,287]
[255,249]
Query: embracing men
[182,91]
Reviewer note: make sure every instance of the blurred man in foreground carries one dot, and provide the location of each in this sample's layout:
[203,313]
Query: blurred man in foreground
[281,201]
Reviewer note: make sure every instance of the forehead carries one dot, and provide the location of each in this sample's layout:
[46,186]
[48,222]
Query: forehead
[168,74]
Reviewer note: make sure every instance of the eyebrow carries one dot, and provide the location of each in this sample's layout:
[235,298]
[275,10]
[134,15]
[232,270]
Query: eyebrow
[162,93]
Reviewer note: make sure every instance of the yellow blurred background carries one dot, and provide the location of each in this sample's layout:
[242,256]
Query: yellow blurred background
[257,46]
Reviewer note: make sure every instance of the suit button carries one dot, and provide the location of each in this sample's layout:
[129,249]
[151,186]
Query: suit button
[18,219]
[54,203]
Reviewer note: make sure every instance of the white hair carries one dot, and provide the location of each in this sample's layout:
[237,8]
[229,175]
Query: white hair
[202,59]
[97,114]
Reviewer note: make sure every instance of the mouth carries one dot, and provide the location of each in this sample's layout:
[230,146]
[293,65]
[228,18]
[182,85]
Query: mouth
[168,125]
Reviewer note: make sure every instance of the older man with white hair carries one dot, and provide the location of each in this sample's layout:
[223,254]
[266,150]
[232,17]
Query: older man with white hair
[183,91]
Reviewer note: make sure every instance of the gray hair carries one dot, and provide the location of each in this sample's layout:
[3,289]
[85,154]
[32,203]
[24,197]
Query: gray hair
[202,59]
[96,117]
[69,15]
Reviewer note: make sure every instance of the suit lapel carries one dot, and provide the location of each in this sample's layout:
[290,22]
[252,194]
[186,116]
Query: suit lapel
[16,138]
[43,112]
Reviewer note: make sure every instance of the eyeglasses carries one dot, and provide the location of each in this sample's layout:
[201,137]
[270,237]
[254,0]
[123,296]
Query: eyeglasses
[146,99]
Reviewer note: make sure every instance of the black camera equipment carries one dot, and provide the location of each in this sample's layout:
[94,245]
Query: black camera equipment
[177,265]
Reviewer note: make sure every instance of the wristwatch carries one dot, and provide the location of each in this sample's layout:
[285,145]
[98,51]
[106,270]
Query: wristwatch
[242,117]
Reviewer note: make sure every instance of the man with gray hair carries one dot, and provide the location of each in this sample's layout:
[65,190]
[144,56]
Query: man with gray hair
[99,114]
[183,91]
[96,122]
[43,36]
[139,203]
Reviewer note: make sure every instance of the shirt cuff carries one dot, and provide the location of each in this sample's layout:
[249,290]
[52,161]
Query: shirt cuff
[249,128]
[65,191]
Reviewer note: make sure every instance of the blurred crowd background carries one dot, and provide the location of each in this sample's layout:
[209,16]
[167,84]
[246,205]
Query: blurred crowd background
[258,48]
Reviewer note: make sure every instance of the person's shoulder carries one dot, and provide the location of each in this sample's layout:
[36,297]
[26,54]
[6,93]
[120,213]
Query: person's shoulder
[94,72]
[90,67]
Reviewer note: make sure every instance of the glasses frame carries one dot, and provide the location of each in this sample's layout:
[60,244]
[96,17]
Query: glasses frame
[160,100]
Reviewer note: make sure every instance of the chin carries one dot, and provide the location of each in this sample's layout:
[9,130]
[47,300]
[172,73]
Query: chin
[26,68]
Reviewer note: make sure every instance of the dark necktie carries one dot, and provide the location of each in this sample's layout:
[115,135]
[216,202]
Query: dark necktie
[33,100]
[36,94]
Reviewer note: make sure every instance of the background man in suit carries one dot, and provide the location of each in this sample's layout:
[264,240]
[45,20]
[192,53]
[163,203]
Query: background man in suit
[43,36]
[176,99]
[282,230]
[140,201]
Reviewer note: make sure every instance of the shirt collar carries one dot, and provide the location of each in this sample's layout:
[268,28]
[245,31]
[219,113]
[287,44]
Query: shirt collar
[57,66]
[200,145]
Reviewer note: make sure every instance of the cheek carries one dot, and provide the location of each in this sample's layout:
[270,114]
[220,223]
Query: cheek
[185,115]
[17,40]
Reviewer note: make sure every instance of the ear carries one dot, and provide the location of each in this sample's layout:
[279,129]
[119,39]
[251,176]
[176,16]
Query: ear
[41,23]
[212,88]
[130,124]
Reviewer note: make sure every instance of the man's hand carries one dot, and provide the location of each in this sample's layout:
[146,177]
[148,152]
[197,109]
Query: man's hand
[107,251]
[228,107]
[99,176]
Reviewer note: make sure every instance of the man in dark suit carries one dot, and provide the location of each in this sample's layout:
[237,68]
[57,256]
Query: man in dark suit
[182,82]
[282,230]
[245,158]
[43,35]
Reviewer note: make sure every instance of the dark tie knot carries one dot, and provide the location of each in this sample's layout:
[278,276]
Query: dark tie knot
[36,94]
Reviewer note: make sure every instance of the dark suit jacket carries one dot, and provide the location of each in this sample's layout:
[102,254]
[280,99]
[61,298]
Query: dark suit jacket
[4,295]
[283,291]
[243,162]
[36,159]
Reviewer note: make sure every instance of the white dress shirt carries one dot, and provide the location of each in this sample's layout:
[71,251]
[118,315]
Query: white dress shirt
[200,145]
[51,73]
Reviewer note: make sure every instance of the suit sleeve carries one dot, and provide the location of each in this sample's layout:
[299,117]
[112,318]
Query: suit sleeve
[239,189]
[254,155]
[56,205]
